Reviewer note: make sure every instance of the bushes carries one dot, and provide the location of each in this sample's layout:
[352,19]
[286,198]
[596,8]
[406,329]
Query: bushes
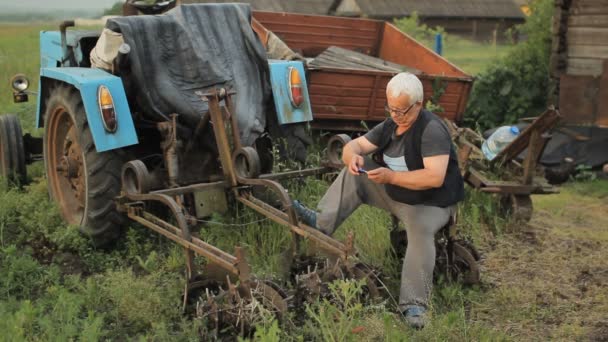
[421,32]
[517,85]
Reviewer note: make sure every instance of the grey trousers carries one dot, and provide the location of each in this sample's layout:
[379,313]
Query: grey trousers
[422,222]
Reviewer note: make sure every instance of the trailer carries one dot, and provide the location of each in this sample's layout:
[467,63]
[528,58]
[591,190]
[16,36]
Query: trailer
[345,94]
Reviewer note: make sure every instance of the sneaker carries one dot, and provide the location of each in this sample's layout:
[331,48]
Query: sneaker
[415,316]
[306,215]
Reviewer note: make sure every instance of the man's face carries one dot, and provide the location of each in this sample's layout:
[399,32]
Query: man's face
[401,111]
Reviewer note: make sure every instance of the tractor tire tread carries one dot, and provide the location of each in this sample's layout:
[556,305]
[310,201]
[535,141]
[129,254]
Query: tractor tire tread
[102,221]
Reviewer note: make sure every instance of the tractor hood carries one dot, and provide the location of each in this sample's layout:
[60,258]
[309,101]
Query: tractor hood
[195,48]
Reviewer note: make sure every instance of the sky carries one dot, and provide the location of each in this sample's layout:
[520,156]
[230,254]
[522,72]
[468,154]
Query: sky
[46,5]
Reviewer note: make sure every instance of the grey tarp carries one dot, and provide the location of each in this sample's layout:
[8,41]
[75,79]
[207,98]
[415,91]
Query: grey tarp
[196,48]
[590,150]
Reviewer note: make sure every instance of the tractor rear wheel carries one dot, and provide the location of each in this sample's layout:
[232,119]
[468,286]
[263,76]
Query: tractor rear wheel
[12,153]
[82,181]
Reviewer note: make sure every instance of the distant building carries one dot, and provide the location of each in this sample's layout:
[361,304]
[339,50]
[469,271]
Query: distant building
[475,19]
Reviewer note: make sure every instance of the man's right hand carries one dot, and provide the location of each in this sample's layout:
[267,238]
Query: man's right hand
[353,152]
[356,162]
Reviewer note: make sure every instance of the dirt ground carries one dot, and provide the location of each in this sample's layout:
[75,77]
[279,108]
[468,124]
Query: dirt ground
[548,279]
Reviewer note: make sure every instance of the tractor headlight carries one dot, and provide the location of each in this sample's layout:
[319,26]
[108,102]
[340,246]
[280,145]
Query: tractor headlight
[106,108]
[20,83]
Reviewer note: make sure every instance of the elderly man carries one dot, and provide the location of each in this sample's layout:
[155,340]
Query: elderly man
[414,176]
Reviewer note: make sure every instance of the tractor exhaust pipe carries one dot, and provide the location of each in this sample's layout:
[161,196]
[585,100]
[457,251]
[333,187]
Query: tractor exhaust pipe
[63,27]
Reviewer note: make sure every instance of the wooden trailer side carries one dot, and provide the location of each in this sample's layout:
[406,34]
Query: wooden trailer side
[312,34]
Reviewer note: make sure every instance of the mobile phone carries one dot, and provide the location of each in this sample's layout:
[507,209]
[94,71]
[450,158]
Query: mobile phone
[360,170]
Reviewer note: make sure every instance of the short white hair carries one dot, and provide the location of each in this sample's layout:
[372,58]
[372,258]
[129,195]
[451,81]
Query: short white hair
[405,83]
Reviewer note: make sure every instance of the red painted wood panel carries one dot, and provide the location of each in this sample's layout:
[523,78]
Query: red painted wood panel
[400,48]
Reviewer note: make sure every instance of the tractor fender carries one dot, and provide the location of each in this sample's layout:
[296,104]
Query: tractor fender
[88,81]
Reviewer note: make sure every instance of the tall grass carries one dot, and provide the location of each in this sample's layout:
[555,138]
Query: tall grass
[471,56]
[20,53]
[55,286]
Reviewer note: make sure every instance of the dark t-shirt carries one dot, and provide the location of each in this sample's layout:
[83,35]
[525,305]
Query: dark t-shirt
[435,141]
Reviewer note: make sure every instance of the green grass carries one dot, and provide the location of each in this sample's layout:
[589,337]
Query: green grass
[20,53]
[473,57]
[540,281]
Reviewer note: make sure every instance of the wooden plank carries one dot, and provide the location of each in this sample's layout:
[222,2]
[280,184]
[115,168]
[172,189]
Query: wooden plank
[311,38]
[399,48]
[578,96]
[336,31]
[342,101]
[322,112]
[602,99]
[585,66]
[327,35]
[325,21]
[296,39]
[529,165]
[588,51]
[331,90]
[372,99]
[341,79]
[342,109]
[589,7]
[588,20]
[587,35]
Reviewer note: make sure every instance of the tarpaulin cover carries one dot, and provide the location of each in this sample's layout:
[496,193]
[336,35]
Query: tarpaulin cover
[591,150]
[194,48]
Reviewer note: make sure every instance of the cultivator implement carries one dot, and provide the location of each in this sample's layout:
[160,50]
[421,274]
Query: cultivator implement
[228,293]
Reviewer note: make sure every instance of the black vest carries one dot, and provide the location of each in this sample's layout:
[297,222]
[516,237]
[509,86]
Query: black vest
[452,189]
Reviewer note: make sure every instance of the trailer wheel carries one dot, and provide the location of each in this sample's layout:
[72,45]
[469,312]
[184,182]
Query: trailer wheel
[246,162]
[464,265]
[518,206]
[82,181]
[334,148]
[12,153]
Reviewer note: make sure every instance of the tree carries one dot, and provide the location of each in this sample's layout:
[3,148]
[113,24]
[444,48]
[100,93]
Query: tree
[517,85]
[116,9]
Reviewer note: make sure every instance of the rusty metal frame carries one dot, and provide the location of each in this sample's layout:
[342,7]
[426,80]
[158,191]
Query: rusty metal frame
[172,198]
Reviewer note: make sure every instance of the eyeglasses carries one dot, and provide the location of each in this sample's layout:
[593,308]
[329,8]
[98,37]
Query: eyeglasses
[397,111]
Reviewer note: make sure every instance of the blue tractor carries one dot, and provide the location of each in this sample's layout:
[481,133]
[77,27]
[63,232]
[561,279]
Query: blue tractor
[179,111]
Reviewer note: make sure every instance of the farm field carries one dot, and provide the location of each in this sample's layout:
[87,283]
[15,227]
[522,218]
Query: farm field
[545,280]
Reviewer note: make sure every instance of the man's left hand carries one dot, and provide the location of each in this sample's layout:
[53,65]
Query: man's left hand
[381,175]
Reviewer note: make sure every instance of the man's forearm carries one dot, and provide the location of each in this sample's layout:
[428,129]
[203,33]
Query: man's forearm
[350,149]
[422,179]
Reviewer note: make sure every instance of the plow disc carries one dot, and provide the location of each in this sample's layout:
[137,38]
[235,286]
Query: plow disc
[231,308]
[313,276]
[236,308]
